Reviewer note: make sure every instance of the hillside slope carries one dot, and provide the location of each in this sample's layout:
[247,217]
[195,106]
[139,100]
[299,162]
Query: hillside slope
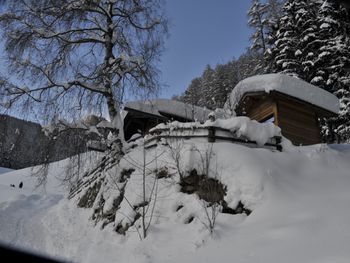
[299,201]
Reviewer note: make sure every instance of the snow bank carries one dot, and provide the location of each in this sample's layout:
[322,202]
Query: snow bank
[298,201]
[285,84]
[28,176]
[242,127]
[250,129]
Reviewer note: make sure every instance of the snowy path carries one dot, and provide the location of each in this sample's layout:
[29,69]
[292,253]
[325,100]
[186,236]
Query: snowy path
[21,220]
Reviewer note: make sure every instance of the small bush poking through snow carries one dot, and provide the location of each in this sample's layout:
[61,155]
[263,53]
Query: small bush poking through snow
[208,189]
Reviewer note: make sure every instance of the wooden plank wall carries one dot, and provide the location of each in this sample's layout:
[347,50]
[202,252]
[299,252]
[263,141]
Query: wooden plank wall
[262,110]
[298,122]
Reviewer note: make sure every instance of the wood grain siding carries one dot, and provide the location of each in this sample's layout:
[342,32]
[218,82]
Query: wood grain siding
[297,119]
[262,109]
[298,122]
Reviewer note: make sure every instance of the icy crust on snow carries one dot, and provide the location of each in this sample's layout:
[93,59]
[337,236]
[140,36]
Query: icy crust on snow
[242,127]
[285,84]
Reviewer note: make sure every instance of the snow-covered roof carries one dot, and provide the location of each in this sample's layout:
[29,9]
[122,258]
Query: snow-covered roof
[285,84]
[166,107]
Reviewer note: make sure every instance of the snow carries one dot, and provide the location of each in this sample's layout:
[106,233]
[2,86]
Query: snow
[316,79]
[242,127]
[324,25]
[251,129]
[323,54]
[298,52]
[4,170]
[285,84]
[299,200]
[165,107]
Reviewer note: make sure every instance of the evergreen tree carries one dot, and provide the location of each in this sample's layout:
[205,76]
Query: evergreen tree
[264,19]
[258,22]
[333,64]
[207,98]
[273,12]
[309,42]
[288,46]
[212,88]
[192,93]
[313,44]
[273,15]
[333,56]
[225,79]
[246,64]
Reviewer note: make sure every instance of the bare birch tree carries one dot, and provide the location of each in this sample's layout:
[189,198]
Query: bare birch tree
[72,56]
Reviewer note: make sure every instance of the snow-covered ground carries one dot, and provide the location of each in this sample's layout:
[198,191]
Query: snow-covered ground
[4,170]
[300,201]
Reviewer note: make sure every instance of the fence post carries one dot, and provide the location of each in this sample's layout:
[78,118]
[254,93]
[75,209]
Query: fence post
[278,144]
[211,134]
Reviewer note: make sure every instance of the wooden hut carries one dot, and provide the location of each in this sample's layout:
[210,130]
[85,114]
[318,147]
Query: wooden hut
[290,103]
[140,116]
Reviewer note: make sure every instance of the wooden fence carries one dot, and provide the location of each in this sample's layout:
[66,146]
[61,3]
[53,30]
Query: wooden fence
[211,133]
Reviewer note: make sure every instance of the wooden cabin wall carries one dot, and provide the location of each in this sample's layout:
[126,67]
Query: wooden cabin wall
[262,110]
[298,122]
[297,119]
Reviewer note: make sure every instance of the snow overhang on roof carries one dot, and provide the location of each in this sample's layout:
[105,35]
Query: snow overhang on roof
[284,84]
[165,107]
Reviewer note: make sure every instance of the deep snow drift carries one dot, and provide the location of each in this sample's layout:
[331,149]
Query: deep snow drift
[299,201]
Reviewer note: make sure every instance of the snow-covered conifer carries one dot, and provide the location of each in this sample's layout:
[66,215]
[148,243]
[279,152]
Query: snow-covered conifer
[257,21]
[333,64]
[292,38]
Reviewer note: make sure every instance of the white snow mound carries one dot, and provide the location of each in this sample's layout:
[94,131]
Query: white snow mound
[241,126]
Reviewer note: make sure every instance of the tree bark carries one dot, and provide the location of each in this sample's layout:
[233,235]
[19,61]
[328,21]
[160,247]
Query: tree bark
[112,104]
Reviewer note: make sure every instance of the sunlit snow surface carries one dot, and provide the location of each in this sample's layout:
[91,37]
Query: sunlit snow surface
[285,84]
[300,201]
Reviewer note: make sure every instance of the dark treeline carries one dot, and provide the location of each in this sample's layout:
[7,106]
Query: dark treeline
[212,88]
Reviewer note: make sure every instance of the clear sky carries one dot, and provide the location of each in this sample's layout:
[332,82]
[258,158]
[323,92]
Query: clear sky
[201,32]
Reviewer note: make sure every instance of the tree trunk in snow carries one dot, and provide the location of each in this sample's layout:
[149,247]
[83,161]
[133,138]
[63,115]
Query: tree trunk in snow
[115,117]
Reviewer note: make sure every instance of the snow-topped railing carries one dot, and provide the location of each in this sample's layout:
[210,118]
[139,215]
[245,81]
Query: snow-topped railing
[241,130]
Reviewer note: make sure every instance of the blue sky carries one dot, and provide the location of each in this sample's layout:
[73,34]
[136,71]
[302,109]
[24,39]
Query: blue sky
[201,32]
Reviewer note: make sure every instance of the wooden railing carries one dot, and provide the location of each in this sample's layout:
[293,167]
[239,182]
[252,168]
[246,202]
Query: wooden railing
[211,133]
